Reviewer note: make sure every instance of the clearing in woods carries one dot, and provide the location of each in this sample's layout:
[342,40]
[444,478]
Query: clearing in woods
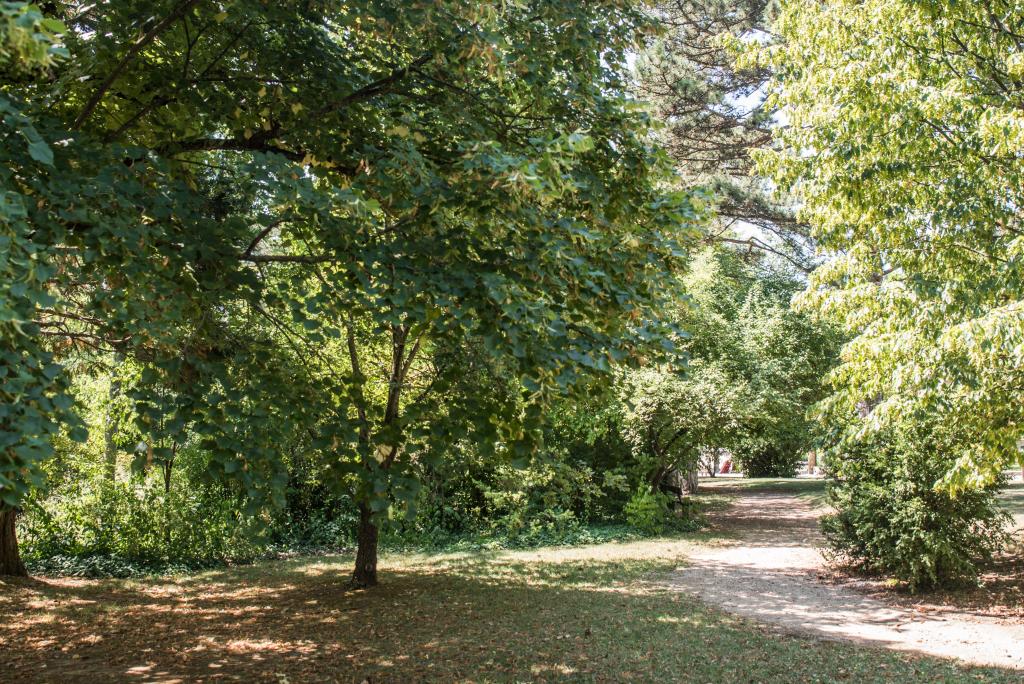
[610,612]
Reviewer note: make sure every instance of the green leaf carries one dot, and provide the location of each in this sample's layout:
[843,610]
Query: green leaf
[41,152]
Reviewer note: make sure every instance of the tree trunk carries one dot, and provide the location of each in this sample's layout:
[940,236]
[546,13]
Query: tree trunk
[365,573]
[168,465]
[690,485]
[657,479]
[10,559]
[110,429]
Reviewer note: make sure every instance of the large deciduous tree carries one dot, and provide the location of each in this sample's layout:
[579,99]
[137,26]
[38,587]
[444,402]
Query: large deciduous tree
[363,186]
[903,141]
[33,403]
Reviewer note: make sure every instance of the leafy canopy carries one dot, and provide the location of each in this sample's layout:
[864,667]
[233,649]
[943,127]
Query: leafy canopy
[902,139]
[248,198]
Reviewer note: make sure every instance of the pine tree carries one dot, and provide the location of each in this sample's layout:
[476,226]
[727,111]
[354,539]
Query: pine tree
[714,116]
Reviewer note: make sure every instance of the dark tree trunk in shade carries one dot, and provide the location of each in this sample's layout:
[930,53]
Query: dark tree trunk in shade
[10,559]
[365,573]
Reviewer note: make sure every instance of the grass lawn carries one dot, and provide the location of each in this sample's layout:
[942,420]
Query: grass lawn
[598,613]
[718,491]
[810,489]
[1012,499]
[813,491]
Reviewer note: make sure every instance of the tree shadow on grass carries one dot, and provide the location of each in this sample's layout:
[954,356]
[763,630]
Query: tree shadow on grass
[473,618]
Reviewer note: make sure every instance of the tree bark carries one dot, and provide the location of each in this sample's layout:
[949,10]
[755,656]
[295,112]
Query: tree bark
[657,478]
[10,559]
[365,573]
[690,484]
[110,430]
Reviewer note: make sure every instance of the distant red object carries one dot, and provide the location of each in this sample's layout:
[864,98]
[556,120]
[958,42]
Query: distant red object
[726,467]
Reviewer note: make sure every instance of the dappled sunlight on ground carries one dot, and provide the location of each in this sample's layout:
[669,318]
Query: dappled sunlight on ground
[774,575]
[423,620]
[594,613]
[552,614]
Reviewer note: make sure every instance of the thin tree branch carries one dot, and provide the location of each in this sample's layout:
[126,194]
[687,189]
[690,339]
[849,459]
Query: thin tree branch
[134,50]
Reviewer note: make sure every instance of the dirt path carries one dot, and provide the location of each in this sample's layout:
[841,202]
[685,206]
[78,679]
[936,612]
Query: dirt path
[771,574]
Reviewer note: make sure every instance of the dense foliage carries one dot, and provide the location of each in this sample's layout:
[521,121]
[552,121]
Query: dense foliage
[93,520]
[765,360]
[595,474]
[294,219]
[296,275]
[902,141]
[33,398]
[890,517]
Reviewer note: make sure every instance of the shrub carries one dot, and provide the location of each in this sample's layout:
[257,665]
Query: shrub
[768,460]
[547,499]
[890,517]
[137,522]
[647,511]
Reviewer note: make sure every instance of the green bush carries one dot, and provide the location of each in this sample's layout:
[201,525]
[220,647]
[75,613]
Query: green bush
[138,522]
[891,519]
[768,460]
[771,453]
[648,511]
[322,530]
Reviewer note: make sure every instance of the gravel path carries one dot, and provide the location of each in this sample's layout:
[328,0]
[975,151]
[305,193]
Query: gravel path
[771,574]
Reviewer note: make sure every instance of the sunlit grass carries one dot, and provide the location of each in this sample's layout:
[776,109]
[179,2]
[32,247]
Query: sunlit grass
[594,613]
[811,490]
[1012,499]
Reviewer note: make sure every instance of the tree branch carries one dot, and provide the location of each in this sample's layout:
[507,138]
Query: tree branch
[288,258]
[259,237]
[754,243]
[377,87]
[135,49]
